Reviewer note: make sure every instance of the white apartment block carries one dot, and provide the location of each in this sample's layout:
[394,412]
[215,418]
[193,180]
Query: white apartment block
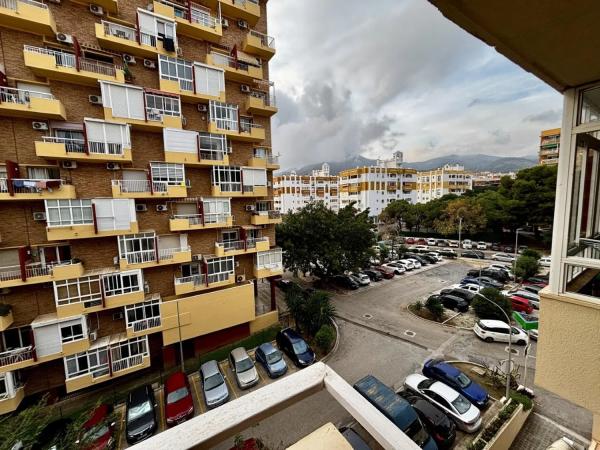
[450,179]
[293,192]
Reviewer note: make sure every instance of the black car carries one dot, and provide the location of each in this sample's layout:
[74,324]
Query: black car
[471,254]
[440,427]
[373,275]
[490,282]
[496,247]
[452,302]
[140,419]
[344,281]
[52,435]
[508,249]
[442,243]
[448,253]
[285,285]
[292,344]
[430,259]
[460,293]
[498,275]
[419,258]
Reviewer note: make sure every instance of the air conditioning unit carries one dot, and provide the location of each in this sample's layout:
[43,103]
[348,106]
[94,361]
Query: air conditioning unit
[93,335]
[250,207]
[197,257]
[162,208]
[202,108]
[118,315]
[95,99]
[69,164]
[225,23]
[129,59]
[149,64]
[141,207]
[112,166]
[40,126]
[96,10]
[64,38]
[236,264]
[245,88]
[269,184]
[240,278]
[242,24]
[39,216]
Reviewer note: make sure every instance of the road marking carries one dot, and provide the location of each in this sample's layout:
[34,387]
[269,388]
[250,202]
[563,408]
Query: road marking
[563,429]
[198,396]
[259,375]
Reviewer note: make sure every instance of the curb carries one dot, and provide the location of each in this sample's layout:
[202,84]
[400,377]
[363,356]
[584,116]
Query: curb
[336,343]
[436,323]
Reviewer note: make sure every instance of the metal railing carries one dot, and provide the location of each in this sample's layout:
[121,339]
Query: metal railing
[212,155]
[247,126]
[128,33]
[105,148]
[126,363]
[21,96]
[8,273]
[64,59]
[13,4]
[16,356]
[220,59]
[133,186]
[265,40]
[145,324]
[267,99]
[30,185]
[230,187]
[240,245]
[169,253]
[197,280]
[72,145]
[141,257]
[193,219]
[216,217]
[218,277]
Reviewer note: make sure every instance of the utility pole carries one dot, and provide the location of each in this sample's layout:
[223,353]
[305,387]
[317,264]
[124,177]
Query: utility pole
[459,233]
[516,246]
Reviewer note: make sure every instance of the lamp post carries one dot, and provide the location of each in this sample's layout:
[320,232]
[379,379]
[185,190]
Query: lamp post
[459,232]
[509,368]
[180,341]
[516,247]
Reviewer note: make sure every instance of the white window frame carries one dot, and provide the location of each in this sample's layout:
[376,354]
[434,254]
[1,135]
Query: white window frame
[270,259]
[216,210]
[96,368]
[224,115]
[142,312]
[137,248]
[73,337]
[220,269]
[94,288]
[84,206]
[176,71]
[121,283]
[135,346]
[228,178]
[158,106]
[172,174]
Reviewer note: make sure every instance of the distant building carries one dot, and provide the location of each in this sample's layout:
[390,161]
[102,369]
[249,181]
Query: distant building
[549,147]
[293,192]
[450,179]
[490,179]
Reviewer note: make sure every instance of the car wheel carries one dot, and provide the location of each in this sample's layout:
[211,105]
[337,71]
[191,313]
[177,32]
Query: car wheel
[489,339]
[521,342]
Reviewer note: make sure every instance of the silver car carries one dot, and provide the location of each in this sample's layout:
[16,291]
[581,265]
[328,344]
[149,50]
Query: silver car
[213,384]
[242,366]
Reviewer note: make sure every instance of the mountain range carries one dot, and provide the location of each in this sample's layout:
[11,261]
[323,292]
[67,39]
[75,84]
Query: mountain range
[475,163]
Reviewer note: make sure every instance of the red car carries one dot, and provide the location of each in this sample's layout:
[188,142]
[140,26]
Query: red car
[409,241]
[385,272]
[99,430]
[179,405]
[521,304]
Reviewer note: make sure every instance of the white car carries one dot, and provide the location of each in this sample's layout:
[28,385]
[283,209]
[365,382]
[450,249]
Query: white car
[436,255]
[498,331]
[416,264]
[431,241]
[467,244]
[361,278]
[481,246]
[546,261]
[466,415]
[408,265]
[419,247]
[397,268]
[468,287]
[503,257]
[453,244]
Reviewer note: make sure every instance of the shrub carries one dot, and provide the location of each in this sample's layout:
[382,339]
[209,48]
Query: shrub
[526,266]
[325,337]
[435,307]
[317,311]
[532,253]
[485,310]
[522,399]
[418,305]
[477,445]
[5,309]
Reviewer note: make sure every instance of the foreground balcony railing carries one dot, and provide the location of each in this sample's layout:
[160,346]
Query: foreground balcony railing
[38,269]
[195,280]
[152,255]
[127,363]
[13,4]
[16,356]
[70,60]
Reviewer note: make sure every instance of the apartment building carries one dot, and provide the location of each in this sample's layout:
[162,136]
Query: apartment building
[135,186]
[567,362]
[293,192]
[549,147]
[450,179]
[482,180]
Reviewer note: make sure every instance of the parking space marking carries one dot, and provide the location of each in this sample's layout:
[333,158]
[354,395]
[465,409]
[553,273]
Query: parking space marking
[161,411]
[122,428]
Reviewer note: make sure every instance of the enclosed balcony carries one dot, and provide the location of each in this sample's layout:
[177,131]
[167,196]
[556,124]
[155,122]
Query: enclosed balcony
[30,103]
[248,10]
[264,213]
[211,272]
[57,337]
[233,181]
[12,392]
[70,67]
[143,250]
[17,358]
[259,44]
[200,214]
[144,318]
[97,141]
[33,183]
[162,180]
[27,15]
[195,149]
[263,158]
[268,263]
[193,20]
[225,119]
[194,82]
[238,67]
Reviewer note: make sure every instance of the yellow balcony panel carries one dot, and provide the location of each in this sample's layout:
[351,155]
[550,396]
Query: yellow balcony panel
[194,223]
[202,24]
[58,150]
[120,190]
[173,87]
[30,16]
[238,73]
[129,46]
[6,321]
[42,62]
[192,159]
[118,301]
[146,125]
[10,404]
[189,285]
[85,232]
[257,191]
[65,191]
[265,273]
[251,134]
[35,108]
[257,162]
[171,257]
[242,247]
[69,348]
[36,274]
[207,312]
[256,105]
[266,219]
[256,44]
[248,10]
[76,309]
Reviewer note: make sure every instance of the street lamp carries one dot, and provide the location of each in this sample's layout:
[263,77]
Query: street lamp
[516,247]
[509,368]
[459,232]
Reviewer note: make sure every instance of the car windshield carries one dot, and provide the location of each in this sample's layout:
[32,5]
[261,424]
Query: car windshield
[95,433]
[137,411]
[274,357]
[461,404]
[300,347]
[213,381]
[417,433]
[463,380]
[243,365]
[515,330]
[425,384]
[176,395]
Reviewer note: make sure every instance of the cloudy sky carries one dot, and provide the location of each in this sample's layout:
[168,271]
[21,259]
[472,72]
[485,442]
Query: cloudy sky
[371,77]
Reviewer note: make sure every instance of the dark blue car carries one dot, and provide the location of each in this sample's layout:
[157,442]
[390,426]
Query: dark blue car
[457,380]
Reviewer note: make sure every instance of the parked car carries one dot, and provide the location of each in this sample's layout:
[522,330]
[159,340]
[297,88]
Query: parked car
[533,334]
[418,258]
[442,243]
[524,294]
[243,368]
[354,439]
[271,359]
[360,278]
[460,293]
[395,409]
[344,281]
[431,241]
[409,241]
[467,244]
[457,380]
[453,244]
[407,263]
[533,288]
[386,272]
[521,249]
[538,279]
[482,245]
[292,344]
[545,261]
[179,404]
[472,280]
[497,275]
[490,282]
[214,386]
[502,268]
[420,241]
[498,331]
[396,267]
[140,416]
[286,285]
[429,258]
[521,304]
[475,288]
[98,432]
[466,416]
[436,255]
[503,257]
[437,423]
[471,254]
[374,275]
[453,303]
[448,253]
[496,247]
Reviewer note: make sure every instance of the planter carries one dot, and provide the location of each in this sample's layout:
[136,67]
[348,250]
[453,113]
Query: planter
[507,433]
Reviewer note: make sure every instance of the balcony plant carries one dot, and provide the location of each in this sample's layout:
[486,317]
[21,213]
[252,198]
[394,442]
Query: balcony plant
[5,309]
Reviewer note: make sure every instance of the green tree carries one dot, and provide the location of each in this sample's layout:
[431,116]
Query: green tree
[294,300]
[485,310]
[398,212]
[533,253]
[310,311]
[435,307]
[527,266]
[325,337]
[471,212]
[24,427]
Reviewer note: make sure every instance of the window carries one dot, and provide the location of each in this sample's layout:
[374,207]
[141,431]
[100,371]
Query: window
[177,69]
[70,333]
[191,270]
[219,269]
[212,146]
[228,178]
[78,290]
[158,106]
[216,210]
[269,260]
[138,248]
[61,213]
[122,283]
[93,361]
[169,173]
[3,387]
[142,312]
[224,115]
[107,138]
[209,80]
[124,100]
[132,347]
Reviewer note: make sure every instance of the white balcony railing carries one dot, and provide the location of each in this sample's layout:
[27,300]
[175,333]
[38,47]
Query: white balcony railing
[196,280]
[230,187]
[140,186]
[193,219]
[126,363]
[128,33]
[64,59]
[241,245]
[247,127]
[195,13]
[169,253]
[265,41]
[16,356]
[21,96]
[141,257]
[145,324]
[14,4]
[221,59]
